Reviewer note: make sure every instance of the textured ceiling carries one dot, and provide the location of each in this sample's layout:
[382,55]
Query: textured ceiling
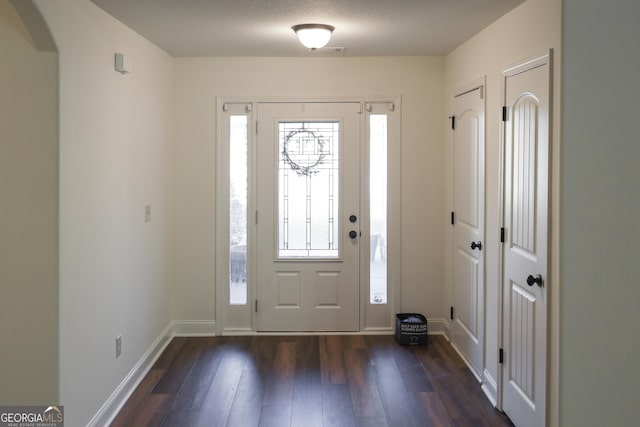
[263,27]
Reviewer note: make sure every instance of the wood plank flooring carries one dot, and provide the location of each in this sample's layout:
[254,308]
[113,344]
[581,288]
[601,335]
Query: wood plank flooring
[308,381]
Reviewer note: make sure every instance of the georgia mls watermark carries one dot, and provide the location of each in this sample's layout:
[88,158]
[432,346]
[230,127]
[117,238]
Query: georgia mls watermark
[31,416]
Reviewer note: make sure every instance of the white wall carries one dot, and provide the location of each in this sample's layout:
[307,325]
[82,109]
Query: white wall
[115,157]
[528,30]
[600,374]
[28,217]
[420,83]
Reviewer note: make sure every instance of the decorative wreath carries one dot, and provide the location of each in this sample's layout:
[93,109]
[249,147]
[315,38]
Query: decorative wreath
[298,165]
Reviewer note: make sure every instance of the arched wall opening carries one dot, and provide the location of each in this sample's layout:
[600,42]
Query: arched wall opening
[29,306]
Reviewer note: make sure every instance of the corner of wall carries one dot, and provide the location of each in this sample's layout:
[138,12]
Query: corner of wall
[29,199]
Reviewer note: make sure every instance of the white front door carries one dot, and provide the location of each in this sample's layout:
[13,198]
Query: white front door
[526,188]
[308,217]
[467,332]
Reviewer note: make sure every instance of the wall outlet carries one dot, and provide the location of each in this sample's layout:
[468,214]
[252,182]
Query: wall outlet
[147,213]
[118,346]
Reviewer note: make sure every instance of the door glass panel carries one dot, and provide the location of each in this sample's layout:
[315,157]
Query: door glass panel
[238,210]
[308,184]
[378,207]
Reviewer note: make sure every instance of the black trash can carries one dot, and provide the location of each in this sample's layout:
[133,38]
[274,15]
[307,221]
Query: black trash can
[411,329]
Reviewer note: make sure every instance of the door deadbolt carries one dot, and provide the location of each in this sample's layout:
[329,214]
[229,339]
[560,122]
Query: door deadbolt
[476,245]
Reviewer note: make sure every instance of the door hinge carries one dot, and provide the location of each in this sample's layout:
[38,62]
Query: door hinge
[501,234]
[256,216]
[451,313]
[453,122]
[256,306]
[504,114]
[500,356]
[453,218]
[256,127]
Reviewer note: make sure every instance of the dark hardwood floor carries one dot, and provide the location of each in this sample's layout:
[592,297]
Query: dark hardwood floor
[308,381]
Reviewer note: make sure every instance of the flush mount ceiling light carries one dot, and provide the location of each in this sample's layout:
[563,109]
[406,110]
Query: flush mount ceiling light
[313,36]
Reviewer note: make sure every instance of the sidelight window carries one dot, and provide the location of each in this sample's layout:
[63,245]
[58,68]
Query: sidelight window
[378,208]
[238,210]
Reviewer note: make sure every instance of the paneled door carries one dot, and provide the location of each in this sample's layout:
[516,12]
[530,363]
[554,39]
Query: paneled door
[467,330]
[526,192]
[308,216]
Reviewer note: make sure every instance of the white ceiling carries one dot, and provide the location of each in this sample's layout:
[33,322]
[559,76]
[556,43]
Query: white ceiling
[263,27]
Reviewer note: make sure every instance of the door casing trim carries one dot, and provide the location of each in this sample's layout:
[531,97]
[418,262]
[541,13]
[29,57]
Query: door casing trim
[239,320]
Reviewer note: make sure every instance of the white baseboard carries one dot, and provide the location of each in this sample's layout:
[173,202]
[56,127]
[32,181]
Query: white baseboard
[437,326]
[238,332]
[467,362]
[121,394]
[490,388]
[378,331]
[447,328]
[194,328]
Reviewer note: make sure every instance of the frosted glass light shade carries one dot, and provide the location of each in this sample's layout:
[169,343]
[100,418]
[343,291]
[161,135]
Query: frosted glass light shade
[313,36]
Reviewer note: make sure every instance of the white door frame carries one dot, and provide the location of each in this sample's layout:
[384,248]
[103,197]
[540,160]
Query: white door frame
[239,319]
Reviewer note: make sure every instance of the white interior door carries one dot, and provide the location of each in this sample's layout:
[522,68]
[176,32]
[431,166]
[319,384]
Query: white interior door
[526,184]
[308,217]
[467,332]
